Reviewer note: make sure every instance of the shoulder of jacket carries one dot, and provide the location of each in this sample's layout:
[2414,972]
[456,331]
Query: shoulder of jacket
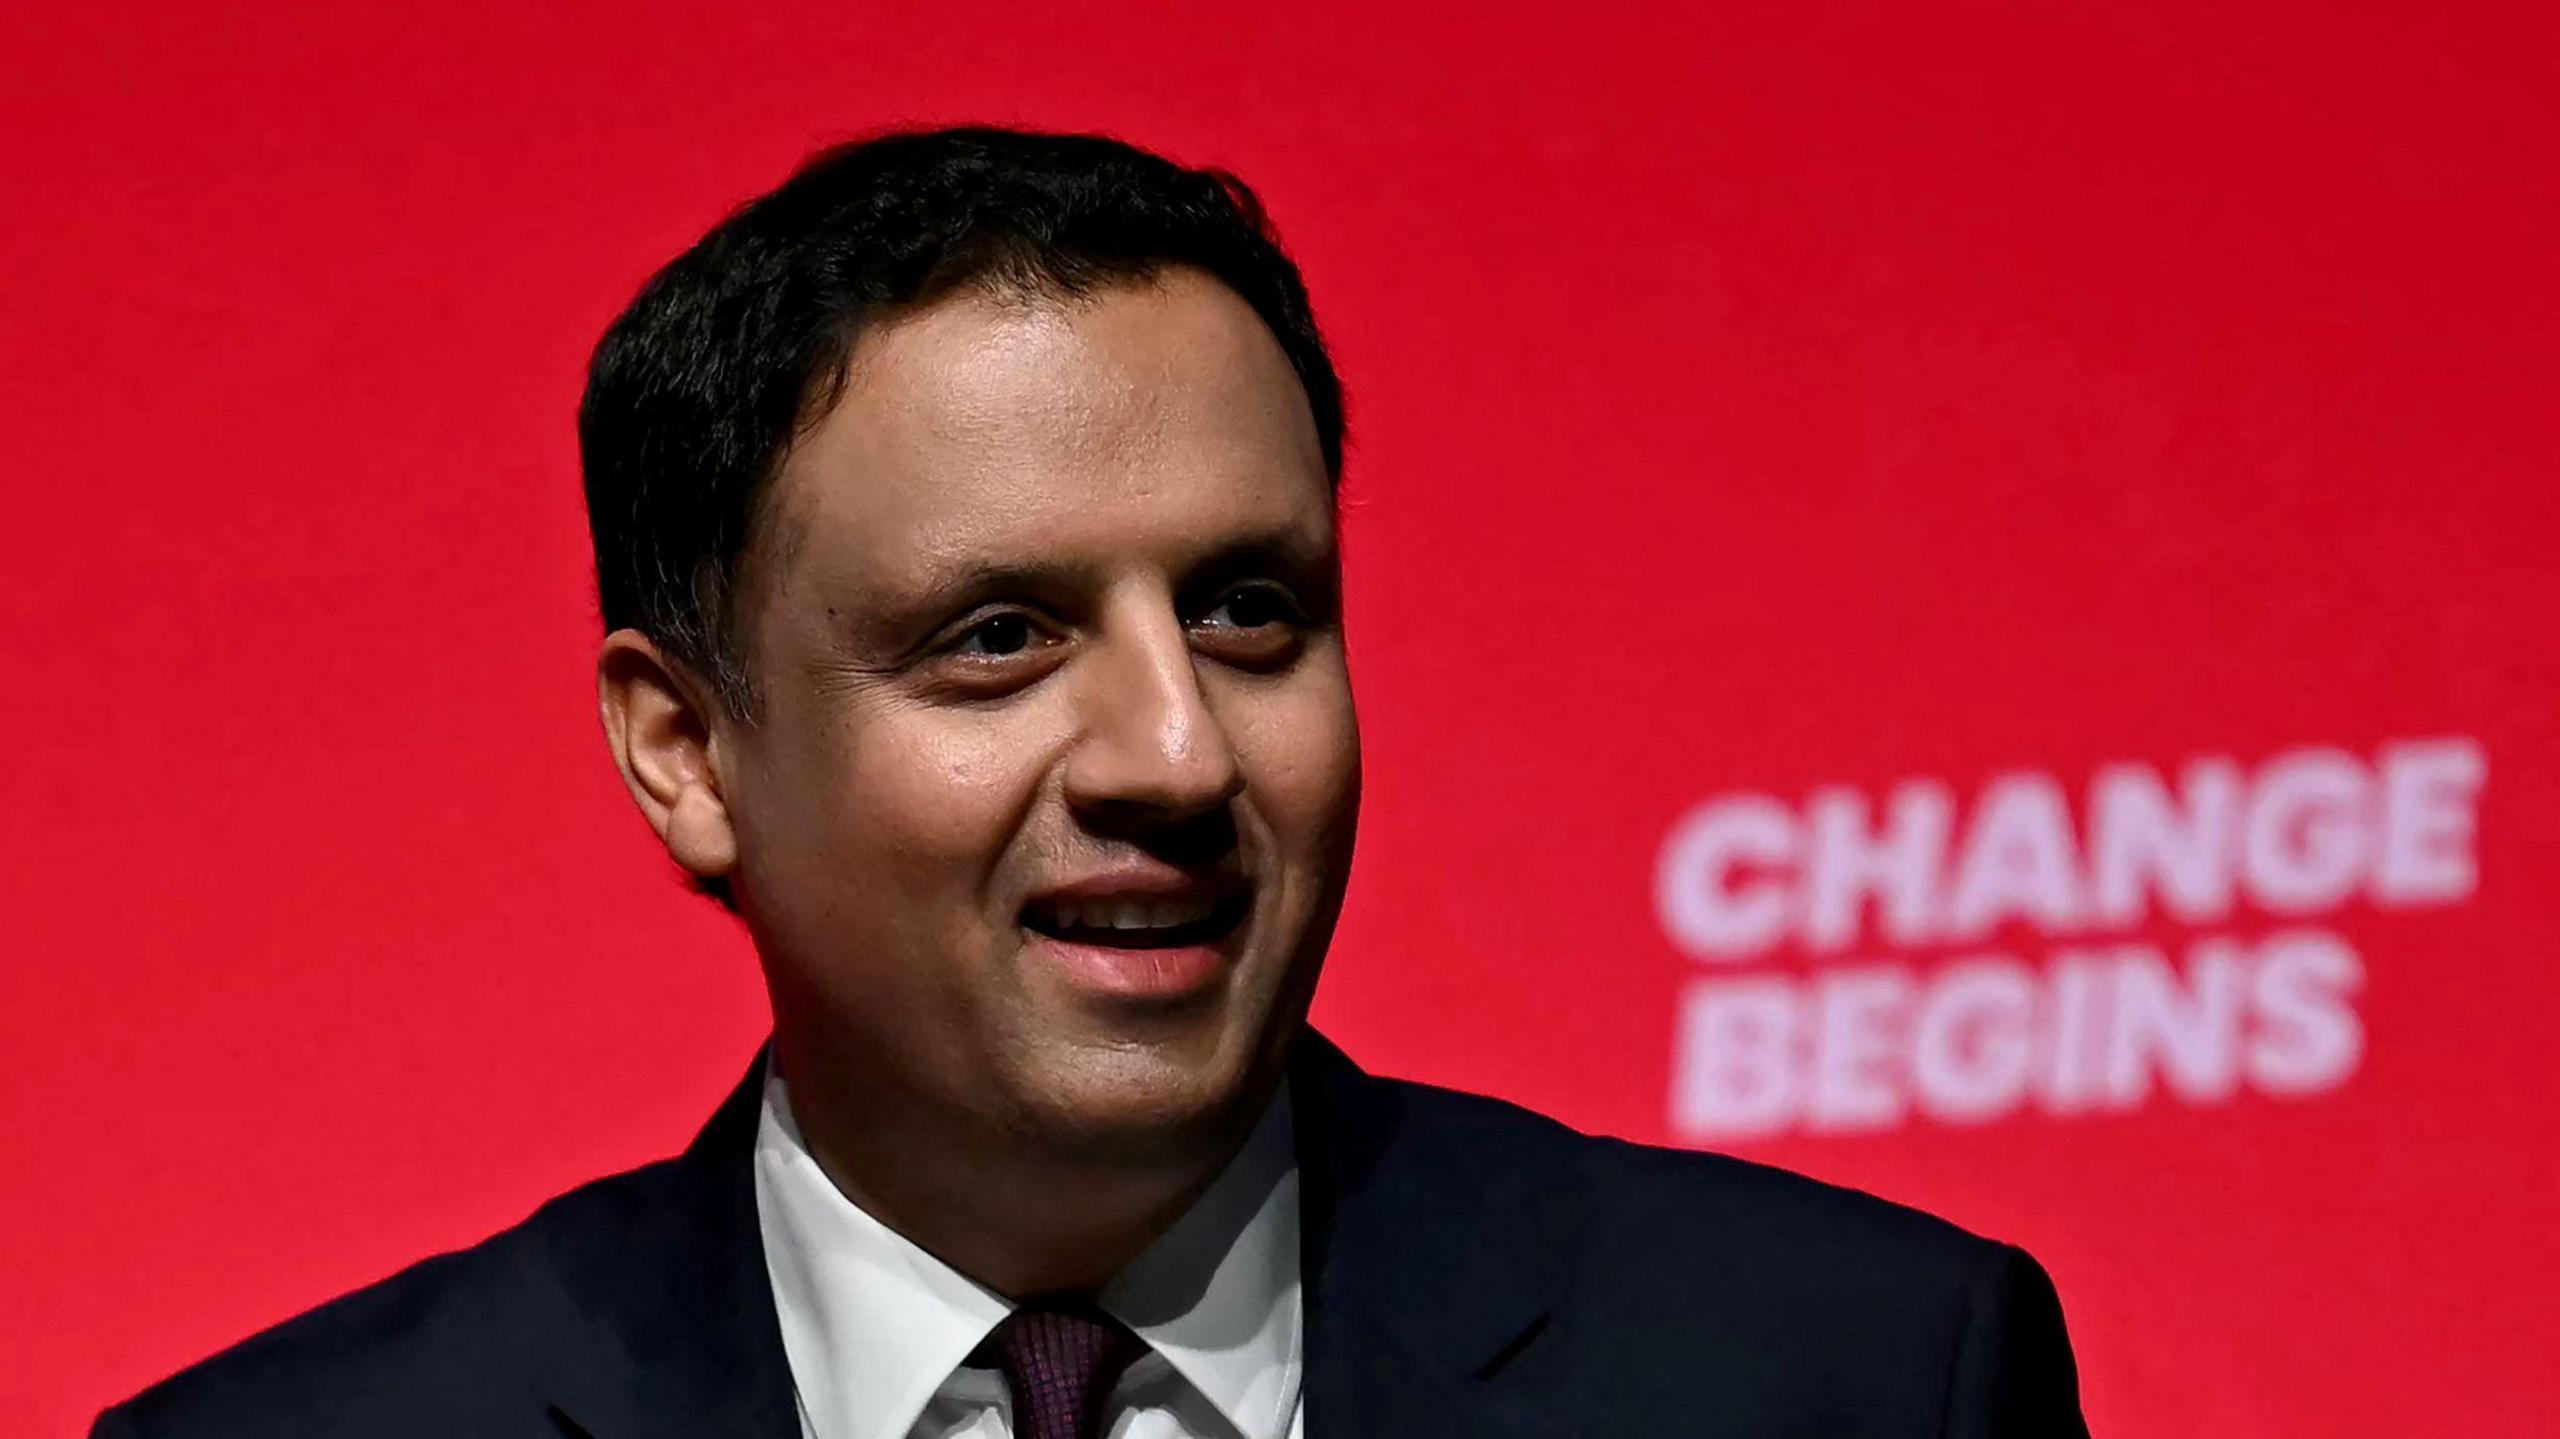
[1681,1199]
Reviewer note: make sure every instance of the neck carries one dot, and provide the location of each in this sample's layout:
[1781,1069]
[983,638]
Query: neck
[1015,1215]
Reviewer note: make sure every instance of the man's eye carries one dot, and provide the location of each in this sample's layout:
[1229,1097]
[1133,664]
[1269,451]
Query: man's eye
[1252,607]
[1253,627]
[997,636]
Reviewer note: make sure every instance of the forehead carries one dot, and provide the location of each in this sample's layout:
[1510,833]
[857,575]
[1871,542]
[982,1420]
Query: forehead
[1146,420]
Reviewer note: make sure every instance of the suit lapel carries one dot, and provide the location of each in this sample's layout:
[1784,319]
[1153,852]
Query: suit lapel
[682,1338]
[1426,1277]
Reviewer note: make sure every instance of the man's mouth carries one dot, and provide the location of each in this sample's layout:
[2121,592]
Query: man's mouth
[1136,921]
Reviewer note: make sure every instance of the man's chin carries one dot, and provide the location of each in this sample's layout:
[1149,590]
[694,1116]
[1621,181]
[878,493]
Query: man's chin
[1127,1103]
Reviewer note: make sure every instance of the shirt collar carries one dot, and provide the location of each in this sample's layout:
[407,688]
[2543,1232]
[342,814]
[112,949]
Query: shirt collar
[873,1326]
[1217,1294]
[871,1323]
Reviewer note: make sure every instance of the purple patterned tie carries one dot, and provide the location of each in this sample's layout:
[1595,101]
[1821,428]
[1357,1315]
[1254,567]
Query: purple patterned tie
[1060,1359]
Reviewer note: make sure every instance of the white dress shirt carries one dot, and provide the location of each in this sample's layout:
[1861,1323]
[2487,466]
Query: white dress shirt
[876,1330]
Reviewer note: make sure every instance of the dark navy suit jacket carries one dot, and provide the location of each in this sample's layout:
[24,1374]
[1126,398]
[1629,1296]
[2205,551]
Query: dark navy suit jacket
[1471,1270]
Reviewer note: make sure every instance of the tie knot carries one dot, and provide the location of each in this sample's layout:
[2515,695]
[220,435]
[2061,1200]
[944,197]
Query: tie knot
[1060,1358]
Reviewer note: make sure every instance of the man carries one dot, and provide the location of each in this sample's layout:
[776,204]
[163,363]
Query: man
[965,533]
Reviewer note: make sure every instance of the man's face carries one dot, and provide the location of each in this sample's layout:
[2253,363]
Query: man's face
[1046,813]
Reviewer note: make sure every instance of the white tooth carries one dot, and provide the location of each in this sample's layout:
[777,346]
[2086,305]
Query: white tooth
[1068,916]
[1125,914]
[1164,914]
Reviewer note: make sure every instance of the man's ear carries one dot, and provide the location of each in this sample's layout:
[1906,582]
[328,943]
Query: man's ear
[659,722]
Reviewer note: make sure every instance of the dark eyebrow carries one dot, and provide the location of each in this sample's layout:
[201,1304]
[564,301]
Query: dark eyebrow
[1309,568]
[973,582]
[1281,550]
[907,621]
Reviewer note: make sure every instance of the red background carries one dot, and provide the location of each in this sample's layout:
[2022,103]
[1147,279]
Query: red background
[1746,398]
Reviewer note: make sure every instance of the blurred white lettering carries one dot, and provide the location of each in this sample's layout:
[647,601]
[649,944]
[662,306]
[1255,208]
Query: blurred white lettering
[2100,1025]
[1856,1048]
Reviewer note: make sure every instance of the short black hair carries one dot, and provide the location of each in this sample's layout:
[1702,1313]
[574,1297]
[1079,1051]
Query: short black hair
[698,390]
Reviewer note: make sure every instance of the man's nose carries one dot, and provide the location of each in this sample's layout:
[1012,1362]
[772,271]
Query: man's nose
[1152,750]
